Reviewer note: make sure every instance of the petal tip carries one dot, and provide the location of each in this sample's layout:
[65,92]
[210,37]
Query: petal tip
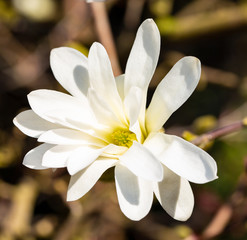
[70,198]
[194,61]
[148,21]
[71,169]
[183,218]
[215,177]
[31,95]
[15,122]
[53,52]
[95,46]
[149,24]
[59,49]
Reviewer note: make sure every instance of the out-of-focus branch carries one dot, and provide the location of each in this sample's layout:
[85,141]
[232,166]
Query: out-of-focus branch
[26,67]
[208,22]
[18,220]
[209,74]
[206,137]
[133,13]
[219,222]
[225,212]
[104,32]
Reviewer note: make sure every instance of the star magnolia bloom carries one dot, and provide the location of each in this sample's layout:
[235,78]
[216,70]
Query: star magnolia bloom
[104,123]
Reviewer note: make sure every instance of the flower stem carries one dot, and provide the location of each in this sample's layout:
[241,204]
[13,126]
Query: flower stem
[104,32]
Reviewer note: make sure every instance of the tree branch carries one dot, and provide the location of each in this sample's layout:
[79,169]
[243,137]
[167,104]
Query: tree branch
[206,137]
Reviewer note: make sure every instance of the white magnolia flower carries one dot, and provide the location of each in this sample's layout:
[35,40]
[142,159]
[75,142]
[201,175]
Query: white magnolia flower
[103,123]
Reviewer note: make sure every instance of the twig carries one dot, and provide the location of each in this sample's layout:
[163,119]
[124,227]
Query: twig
[18,220]
[103,29]
[134,9]
[207,22]
[209,74]
[219,222]
[206,137]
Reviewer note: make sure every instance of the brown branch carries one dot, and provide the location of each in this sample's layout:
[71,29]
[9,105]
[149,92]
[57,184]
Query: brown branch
[219,222]
[104,32]
[208,22]
[206,137]
[134,9]
[17,223]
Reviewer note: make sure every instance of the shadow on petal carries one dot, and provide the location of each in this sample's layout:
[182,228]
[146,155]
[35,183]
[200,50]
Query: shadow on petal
[171,199]
[81,78]
[175,195]
[129,186]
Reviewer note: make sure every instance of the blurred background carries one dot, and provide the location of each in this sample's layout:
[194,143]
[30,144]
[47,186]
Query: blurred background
[33,203]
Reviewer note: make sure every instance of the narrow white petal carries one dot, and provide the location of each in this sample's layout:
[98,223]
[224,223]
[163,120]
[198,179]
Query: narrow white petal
[57,156]
[120,85]
[142,163]
[135,195]
[175,195]
[173,91]
[69,137]
[142,62]
[61,108]
[143,57]
[136,128]
[182,157]
[69,67]
[84,180]
[33,159]
[81,158]
[33,125]
[102,79]
[133,104]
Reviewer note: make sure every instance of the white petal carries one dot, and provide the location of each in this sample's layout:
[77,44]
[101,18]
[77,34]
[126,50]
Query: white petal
[135,195]
[175,195]
[84,180]
[101,109]
[142,62]
[120,85]
[143,57]
[142,162]
[33,125]
[133,106]
[173,91]
[102,79]
[69,67]
[133,103]
[82,157]
[33,159]
[69,137]
[57,156]
[136,128]
[182,157]
[59,107]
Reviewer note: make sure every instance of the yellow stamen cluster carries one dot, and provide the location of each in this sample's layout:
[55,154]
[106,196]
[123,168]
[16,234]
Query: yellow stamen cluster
[122,137]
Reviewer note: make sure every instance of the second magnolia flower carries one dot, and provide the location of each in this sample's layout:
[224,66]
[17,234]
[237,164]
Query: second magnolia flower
[104,123]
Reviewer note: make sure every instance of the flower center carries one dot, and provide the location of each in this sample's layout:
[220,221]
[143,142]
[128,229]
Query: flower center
[122,137]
